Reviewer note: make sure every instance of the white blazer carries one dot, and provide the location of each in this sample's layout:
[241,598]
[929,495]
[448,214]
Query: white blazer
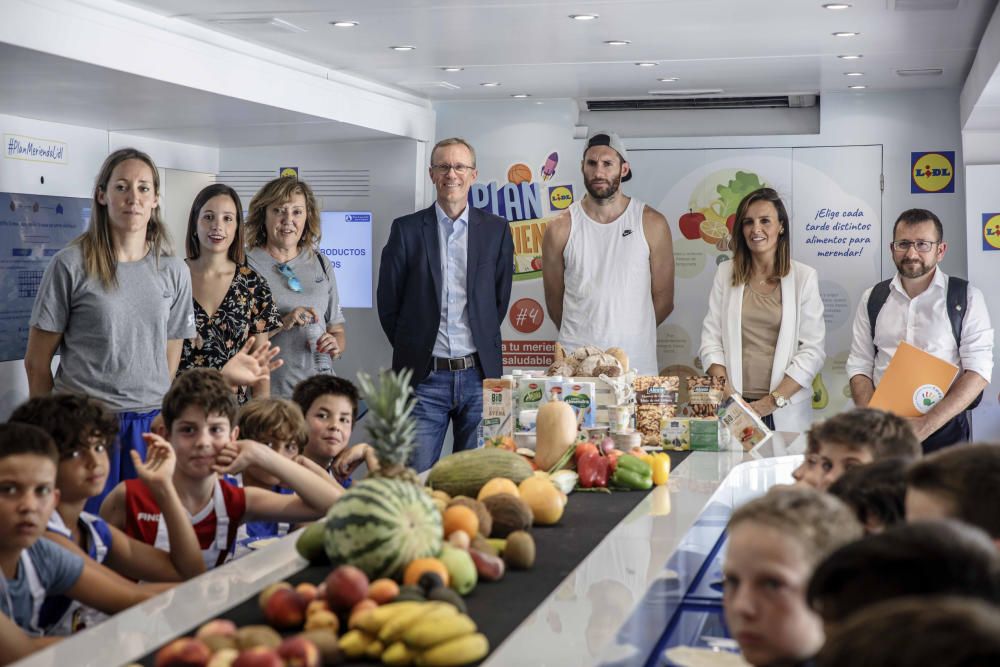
[799,352]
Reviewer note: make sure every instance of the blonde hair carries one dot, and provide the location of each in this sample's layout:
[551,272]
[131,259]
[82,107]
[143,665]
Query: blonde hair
[265,418]
[455,141]
[96,245]
[817,521]
[279,191]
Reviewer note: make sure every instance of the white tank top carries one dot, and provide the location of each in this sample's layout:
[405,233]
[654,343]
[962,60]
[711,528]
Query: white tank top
[608,300]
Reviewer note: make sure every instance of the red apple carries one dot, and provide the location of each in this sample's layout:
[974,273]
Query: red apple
[268,591]
[259,656]
[183,652]
[299,652]
[730,221]
[307,591]
[345,587]
[285,609]
[219,627]
[690,225]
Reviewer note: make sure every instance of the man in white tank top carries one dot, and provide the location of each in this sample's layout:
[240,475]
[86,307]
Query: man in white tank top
[608,262]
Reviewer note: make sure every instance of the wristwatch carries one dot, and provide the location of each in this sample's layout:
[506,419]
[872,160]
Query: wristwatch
[779,400]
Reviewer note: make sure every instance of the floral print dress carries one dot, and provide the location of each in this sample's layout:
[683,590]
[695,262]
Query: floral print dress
[246,310]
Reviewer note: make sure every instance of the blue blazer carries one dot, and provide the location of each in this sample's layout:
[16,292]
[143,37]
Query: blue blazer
[409,288]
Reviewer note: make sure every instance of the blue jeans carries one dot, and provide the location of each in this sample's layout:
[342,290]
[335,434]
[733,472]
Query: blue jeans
[444,396]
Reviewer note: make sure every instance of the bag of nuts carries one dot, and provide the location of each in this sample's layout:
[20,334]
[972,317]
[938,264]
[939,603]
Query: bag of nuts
[704,395]
[656,403]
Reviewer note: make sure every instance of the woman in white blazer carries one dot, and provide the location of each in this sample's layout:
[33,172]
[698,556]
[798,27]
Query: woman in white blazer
[764,331]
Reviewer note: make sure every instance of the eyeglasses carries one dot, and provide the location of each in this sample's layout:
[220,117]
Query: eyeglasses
[921,246]
[293,281]
[443,169]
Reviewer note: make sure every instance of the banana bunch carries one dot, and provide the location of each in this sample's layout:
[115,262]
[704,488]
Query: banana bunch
[431,634]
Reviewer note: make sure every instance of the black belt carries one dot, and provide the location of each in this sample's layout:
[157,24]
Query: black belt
[455,364]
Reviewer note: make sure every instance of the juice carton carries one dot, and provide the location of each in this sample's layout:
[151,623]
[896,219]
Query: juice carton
[528,395]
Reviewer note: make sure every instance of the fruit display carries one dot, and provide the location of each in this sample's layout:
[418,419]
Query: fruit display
[509,513]
[465,473]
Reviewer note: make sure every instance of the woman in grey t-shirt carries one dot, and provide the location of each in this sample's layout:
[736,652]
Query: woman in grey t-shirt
[117,307]
[282,232]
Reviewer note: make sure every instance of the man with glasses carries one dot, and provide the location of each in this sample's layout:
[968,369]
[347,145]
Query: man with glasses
[443,289]
[944,316]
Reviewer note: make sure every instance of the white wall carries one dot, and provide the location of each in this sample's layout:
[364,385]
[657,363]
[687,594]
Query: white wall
[86,150]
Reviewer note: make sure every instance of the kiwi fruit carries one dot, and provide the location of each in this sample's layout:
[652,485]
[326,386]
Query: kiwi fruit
[483,514]
[520,551]
[449,595]
[509,513]
[480,543]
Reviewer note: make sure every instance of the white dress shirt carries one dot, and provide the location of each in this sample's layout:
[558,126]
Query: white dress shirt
[922,322]
[454,338]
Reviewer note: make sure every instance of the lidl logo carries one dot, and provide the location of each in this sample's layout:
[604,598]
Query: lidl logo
[991,231]
[932,172]
[288,171]
[561,196]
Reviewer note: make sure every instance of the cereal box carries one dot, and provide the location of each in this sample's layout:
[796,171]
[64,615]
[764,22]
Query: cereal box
[656,403]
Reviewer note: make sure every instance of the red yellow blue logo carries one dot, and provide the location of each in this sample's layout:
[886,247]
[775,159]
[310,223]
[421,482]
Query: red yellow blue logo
[991,231]
[932,172]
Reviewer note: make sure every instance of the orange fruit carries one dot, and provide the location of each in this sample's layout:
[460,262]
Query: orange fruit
[460,517]
[543,498]
[417,568]
[383,590]
[496,486]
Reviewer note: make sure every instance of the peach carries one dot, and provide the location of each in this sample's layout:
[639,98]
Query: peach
[219,626]
[285,609]
[316,605]
[259,656]
[223,657]
[359,609]
[183,652]
[307,591]
[345,587]
[383,591]
[269,591]
[323,619]
[299,652]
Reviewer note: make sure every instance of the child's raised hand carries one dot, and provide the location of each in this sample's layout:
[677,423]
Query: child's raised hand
[158,468]
[237,456]
[349,459]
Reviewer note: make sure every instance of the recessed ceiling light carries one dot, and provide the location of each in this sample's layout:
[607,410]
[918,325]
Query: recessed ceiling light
[857,87]
[490,84]
[344,24]
[668,79]
[846,34]
[617,42]
[583,17]
[854,73]
[854,57]
[521,96]
[402,48]
[452,69]
[645,64]
[836,5]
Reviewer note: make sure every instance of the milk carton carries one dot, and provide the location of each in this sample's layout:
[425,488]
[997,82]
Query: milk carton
[528,395]
[498,409]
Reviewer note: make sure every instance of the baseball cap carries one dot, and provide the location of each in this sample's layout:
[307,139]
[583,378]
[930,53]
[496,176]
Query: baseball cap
[604,138]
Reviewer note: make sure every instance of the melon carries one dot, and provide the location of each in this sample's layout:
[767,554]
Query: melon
[379,525]
[465,473]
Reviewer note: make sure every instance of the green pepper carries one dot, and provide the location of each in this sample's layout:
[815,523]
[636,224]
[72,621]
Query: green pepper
[635,464]
[629,479]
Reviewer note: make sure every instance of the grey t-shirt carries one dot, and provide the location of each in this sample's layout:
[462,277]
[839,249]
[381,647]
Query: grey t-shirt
[58,570]
[114,345]
[319,291]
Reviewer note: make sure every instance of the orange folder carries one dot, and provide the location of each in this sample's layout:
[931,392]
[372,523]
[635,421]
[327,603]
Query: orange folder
[914,382]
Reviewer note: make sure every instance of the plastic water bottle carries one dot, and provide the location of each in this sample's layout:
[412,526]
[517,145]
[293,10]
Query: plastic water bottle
[322,363]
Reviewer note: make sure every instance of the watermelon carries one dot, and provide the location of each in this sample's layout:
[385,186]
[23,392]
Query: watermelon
[380,524]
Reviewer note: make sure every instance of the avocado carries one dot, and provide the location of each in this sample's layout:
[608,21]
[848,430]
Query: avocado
[821,397]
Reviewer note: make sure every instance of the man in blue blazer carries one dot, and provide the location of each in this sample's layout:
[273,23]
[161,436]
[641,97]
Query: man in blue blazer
[443,289]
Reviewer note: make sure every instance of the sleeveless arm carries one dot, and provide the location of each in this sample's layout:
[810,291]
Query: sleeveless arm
[554,267]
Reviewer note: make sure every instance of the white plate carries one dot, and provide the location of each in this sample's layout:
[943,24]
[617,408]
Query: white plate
[262,542]
[689,656]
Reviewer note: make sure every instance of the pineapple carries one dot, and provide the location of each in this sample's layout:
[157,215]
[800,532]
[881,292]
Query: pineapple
[392,431]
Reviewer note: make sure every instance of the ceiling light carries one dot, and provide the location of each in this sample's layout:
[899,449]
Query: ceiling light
[857,87]
[925,71]
[452,69]
[583,17]
[402,48]
[855,57]
[846,34]
[344,24]
[645,64]
[854,73]
[521,96]
[668,79]
[617,42]
[490,84]
[836,5]
[687,92]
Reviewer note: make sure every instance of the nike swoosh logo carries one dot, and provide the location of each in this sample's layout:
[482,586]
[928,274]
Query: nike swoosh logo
[626,232]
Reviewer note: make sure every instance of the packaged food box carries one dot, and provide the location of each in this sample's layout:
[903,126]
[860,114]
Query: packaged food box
[656,403]
[704,395]
[676,434]
[498,409]
[745,426]
[704,434]
[582,396]
[528,395]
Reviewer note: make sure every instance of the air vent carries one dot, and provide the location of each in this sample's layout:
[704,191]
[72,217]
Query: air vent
[925,71]
[324,182]
[429,85]
[264,21]
[757,102]
[921,5]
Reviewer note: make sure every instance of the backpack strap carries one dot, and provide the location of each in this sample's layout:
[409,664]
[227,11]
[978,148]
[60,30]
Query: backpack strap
[879,295]
[322,264]
[957,300]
